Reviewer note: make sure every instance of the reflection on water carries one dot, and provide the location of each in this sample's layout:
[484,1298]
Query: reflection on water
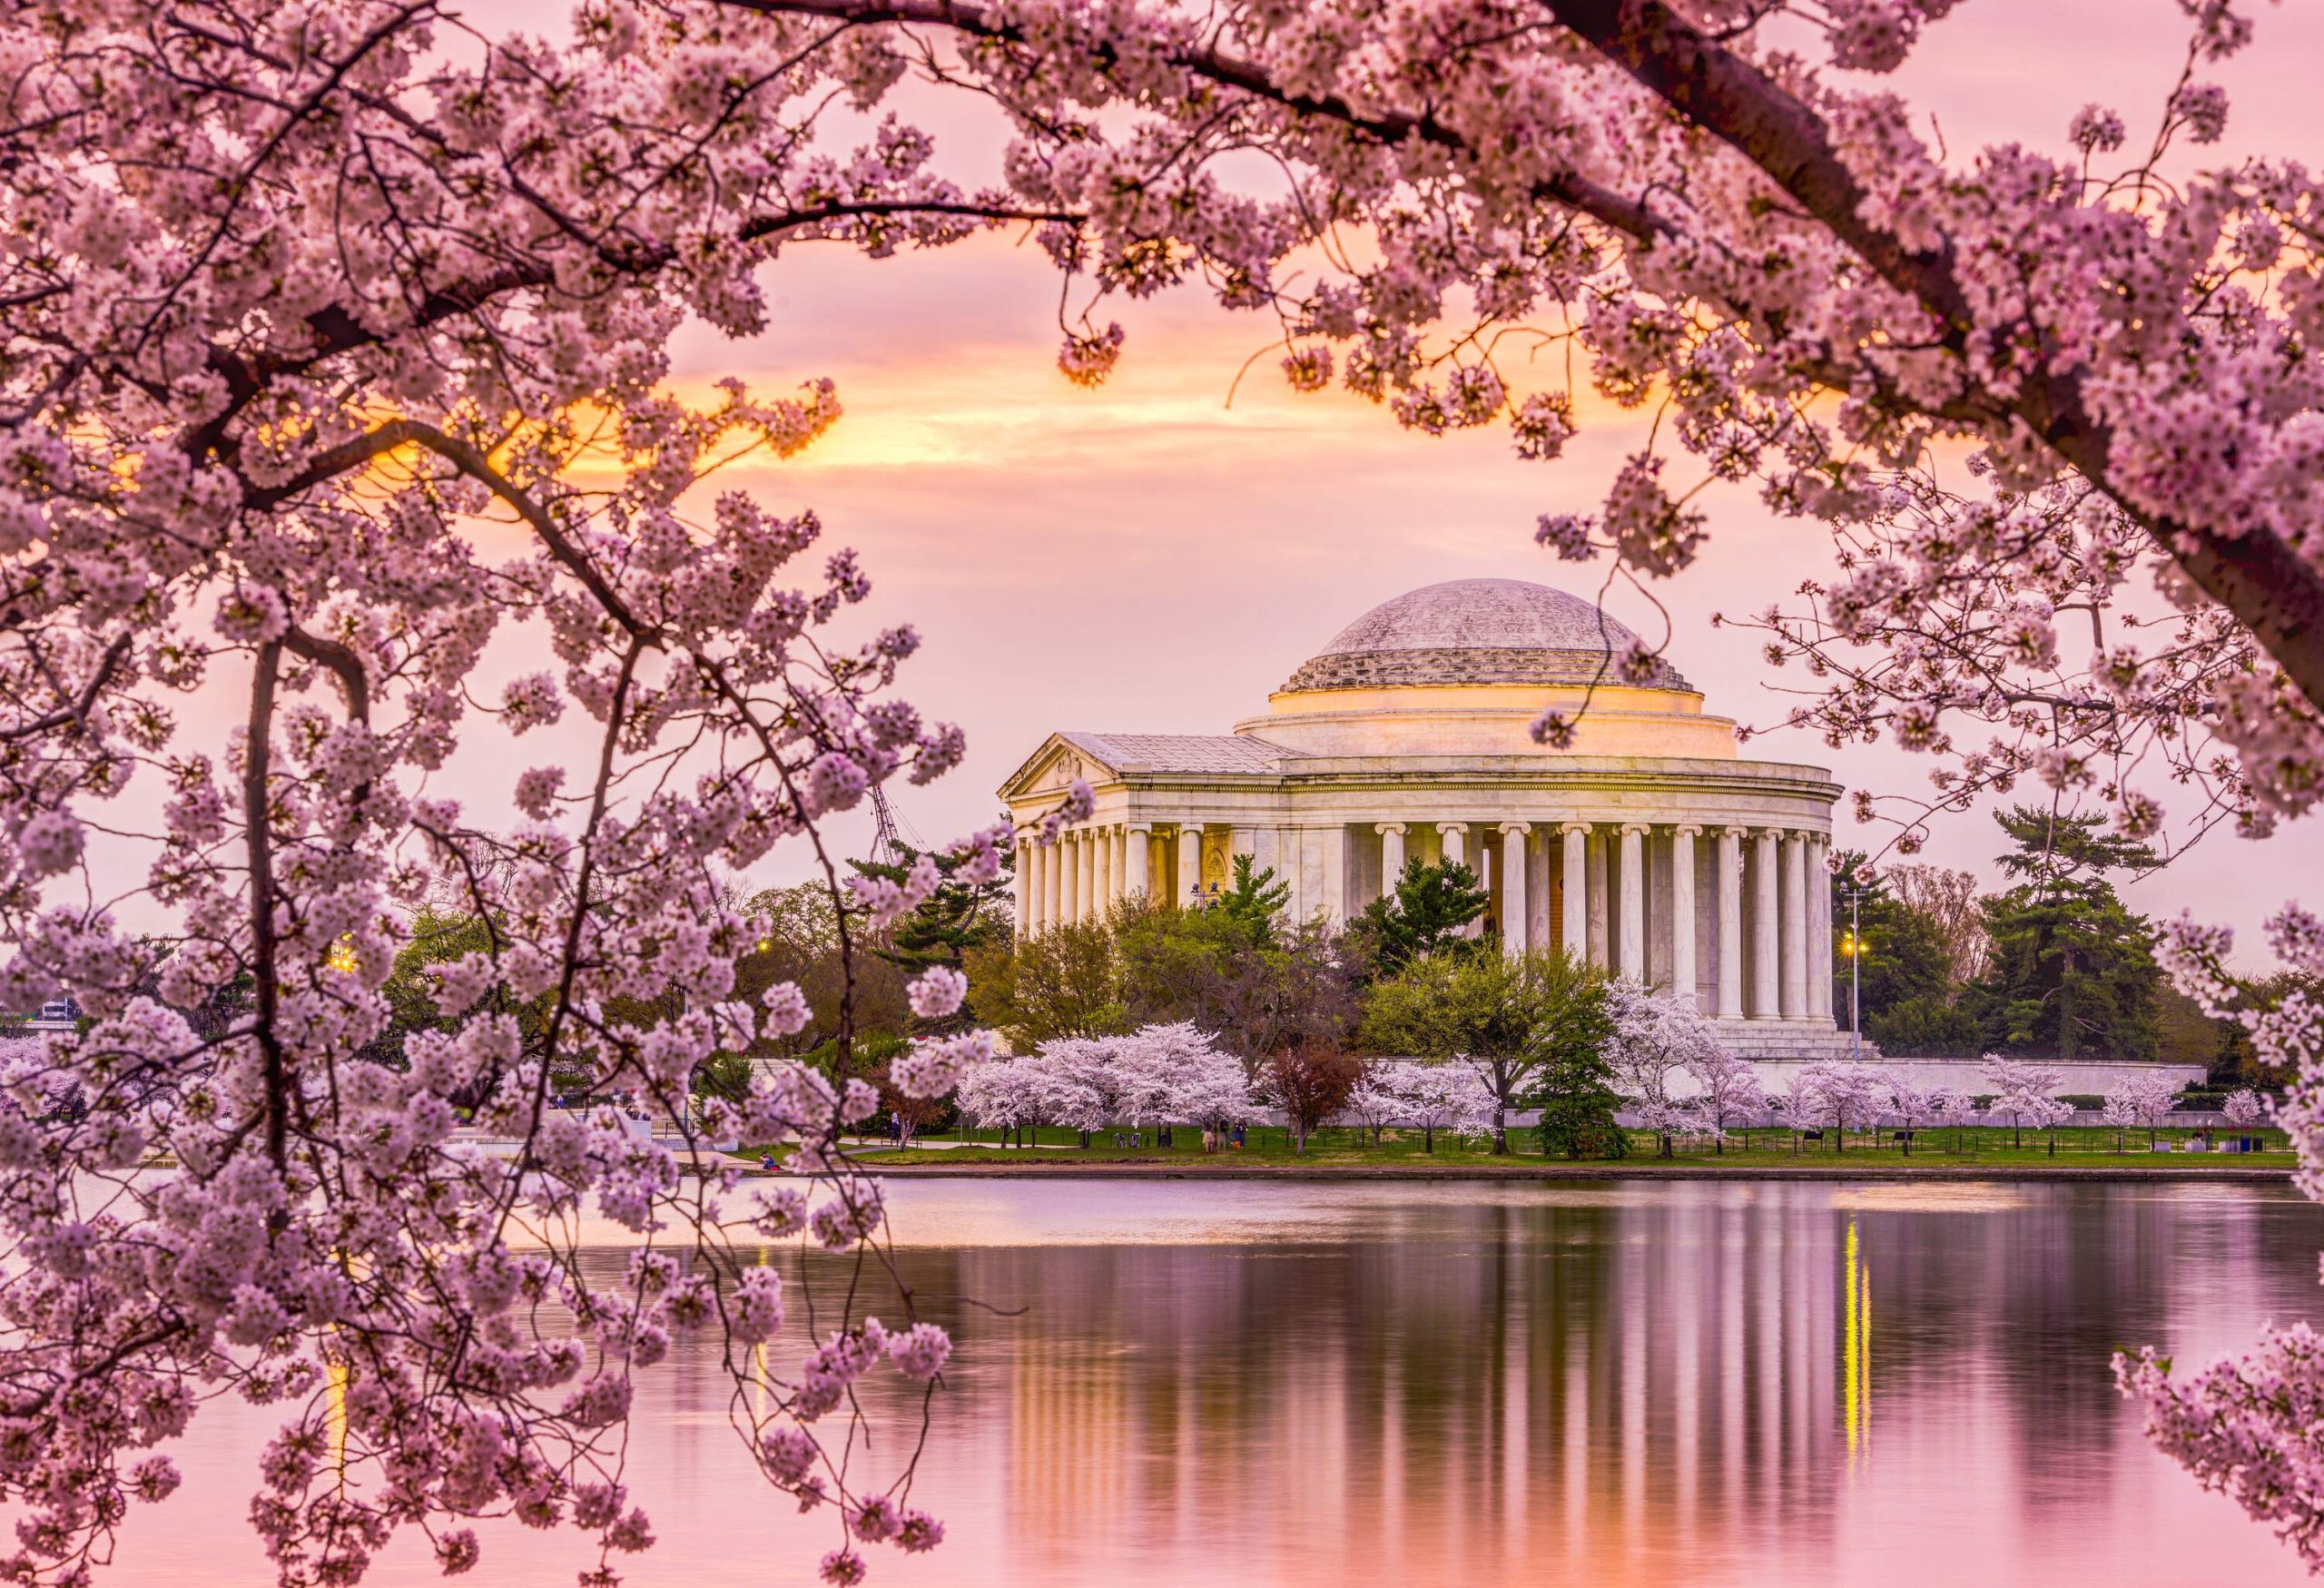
[1664,1382]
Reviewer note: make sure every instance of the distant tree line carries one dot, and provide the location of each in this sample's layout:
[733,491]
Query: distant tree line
[2054,966]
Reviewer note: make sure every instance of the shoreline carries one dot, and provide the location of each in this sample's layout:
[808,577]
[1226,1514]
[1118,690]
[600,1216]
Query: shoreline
[2104,1173]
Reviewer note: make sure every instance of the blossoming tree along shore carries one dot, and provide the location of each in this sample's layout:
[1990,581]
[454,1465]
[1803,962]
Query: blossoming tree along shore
[335,340]
[295,294]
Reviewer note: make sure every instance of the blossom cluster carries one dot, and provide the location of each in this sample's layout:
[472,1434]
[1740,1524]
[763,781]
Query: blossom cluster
[339,370]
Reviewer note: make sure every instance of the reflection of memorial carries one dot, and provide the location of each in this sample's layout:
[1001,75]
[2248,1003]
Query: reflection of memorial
[1651,845]
[1656,1384]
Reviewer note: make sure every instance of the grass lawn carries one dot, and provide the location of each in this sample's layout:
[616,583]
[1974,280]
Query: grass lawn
[2091,1147]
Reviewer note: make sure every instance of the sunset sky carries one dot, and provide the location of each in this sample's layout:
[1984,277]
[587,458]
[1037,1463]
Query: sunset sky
[1146,557]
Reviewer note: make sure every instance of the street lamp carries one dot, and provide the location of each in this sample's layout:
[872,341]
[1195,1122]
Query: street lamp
[1853,946]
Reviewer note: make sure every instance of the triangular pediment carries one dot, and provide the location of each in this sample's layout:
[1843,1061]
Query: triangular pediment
[1054,768]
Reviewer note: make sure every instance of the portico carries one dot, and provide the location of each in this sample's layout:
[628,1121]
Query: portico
[1650,847]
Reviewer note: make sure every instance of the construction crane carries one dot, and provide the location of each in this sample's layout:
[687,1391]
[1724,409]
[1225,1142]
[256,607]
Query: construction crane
[891,837]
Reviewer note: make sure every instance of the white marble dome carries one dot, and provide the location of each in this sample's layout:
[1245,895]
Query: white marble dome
[1475,631]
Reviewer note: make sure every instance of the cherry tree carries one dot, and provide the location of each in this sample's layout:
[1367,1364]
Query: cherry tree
[1371,1104]
[1155,1075]
[1909,1104]
[2142,1100]
[2022,1091]
[1192,1080]
[1728,1088]
[338,356]
[2046,1114]
[1726,213]
[338,338]
[1840,1094]
[1660,1039]
[1951,1106]
[1428,1097]
[2243,1108]
[1009,1094]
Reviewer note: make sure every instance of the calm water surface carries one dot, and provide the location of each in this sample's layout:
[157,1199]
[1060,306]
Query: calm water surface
[1669,1383]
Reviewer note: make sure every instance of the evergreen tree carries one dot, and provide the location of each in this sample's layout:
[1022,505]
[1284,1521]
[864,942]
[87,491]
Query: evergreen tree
[1574,1086]
[2072,967]
[1251,905]
[957,917]
[1425,914]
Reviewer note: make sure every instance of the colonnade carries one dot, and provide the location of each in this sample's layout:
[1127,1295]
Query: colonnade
[1086,873]
[1738,917]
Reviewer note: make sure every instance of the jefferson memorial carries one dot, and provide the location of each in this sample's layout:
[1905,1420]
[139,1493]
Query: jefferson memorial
[1651,845]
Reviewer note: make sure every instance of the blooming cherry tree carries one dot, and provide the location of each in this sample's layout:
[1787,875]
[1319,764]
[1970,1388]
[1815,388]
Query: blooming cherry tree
[1427,1097]
[1840,1094]
[2025,1093]
[338,338]
[1727,1088]
[1732,216]
[337,348]
[1659,1042]
[2243,1108]
[1951,1106]
[1910,1104]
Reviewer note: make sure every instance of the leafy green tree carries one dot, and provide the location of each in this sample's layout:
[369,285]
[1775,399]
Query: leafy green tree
[1909,954]
[1064,981]
[1507,1019]
[799,941]
[1256,985]
[1574,1090]
[2071,968]
[1425,914]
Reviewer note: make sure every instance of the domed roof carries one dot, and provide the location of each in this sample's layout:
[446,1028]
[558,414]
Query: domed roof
[1477,631]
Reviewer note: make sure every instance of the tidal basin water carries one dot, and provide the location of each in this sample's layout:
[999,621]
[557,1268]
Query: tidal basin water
[1346,1384]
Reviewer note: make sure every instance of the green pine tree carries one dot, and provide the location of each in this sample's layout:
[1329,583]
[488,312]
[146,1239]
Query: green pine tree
[1425,914]
[2073,968]
[1251,905]
[957,917]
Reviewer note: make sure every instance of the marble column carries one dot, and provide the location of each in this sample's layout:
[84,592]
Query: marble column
[1118,876]
[1068,877]
[1052,882]
[1600,924]
[1189,863]
[1795,926]
[1682,914]
[1819,926]
[1333,843]
[1138,836]
[1514,924]
[1576,836]
[1392,855]
[1730,922]
[1024,887]
[1633,964]
[1093,860]
[1768,905]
